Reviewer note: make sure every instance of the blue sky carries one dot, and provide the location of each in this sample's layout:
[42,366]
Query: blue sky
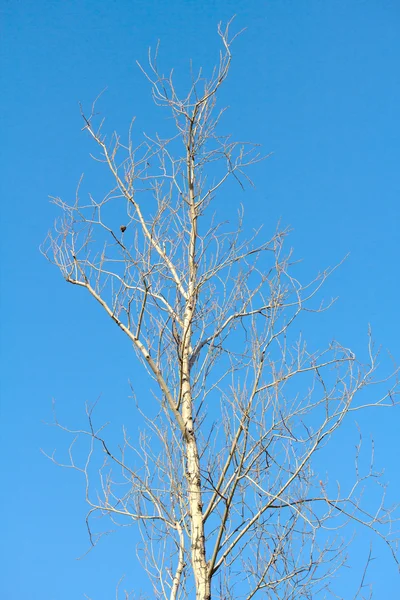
[318,85]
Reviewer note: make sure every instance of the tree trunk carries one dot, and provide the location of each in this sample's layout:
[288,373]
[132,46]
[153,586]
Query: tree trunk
[198,541]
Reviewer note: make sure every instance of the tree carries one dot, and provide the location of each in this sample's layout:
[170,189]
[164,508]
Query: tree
[224,490]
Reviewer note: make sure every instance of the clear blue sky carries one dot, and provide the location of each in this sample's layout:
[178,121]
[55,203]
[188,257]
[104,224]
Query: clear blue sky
[315,82]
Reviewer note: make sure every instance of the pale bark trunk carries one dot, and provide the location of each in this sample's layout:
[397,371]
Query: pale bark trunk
[198,545]
[198,549]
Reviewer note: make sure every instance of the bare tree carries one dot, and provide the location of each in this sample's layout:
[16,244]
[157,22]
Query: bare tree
[221,483]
